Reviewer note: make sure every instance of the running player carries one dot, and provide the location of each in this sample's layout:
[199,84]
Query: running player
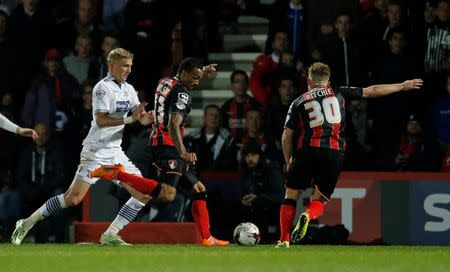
[319,117]
[112,100]
[11,127]
[172,105]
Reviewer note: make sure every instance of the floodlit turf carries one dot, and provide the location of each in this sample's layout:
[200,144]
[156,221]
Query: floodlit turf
[81,258]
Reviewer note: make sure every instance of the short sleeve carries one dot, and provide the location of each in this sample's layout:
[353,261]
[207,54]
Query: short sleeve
[292,117]
[350,92]
[179,101]
[100,99]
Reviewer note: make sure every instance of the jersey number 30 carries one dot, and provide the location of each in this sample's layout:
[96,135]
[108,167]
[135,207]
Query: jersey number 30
[330,109]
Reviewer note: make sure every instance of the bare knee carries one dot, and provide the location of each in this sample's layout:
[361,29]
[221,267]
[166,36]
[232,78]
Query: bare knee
[167,193]
[72,200]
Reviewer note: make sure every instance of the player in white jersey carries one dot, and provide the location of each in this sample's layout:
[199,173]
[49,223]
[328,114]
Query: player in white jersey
[11,127]
[112,100]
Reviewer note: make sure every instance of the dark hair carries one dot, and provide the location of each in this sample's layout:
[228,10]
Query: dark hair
[209,107]
[238,72]
[114,35]
[398,30]
[343,13]
[189,64]
[285,73]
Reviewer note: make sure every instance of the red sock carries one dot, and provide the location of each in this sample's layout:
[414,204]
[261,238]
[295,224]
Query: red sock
[287,214]
[315,209]
[143,185]
[201,217]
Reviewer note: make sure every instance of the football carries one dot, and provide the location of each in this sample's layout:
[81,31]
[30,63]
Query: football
[246,234]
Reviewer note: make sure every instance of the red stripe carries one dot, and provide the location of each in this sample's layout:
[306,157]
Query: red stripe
[301,134]
[317,134]
[334,139]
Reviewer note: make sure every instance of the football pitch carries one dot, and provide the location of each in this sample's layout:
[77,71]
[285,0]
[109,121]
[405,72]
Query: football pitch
[73,257]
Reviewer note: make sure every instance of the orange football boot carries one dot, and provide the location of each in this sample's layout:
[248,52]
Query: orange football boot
[211,241]
[107,171]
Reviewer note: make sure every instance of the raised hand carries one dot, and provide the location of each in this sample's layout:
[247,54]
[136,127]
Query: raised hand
[209,70]
[412,84]
[139,111]
[147,118]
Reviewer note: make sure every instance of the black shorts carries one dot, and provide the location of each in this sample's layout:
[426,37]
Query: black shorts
[172,167]
[315,167]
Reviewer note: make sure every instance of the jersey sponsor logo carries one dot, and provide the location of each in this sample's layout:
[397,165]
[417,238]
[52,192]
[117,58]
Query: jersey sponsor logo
[100,94]
[183,97]
[123,106]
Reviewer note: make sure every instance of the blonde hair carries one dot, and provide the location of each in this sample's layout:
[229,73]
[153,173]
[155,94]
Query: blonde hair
[319,72]
[118,54]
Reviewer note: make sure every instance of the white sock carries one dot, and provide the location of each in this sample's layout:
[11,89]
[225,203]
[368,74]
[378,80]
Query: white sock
[126,214]
[51,206]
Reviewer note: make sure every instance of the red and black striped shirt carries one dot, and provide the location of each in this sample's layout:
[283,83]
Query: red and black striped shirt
[233,115]
[171,96]
[319,117]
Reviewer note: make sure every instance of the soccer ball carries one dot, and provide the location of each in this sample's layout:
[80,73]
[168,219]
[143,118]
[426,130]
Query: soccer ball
[246,234]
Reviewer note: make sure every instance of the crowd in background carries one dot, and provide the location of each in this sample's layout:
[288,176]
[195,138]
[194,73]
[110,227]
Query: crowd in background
[53,53]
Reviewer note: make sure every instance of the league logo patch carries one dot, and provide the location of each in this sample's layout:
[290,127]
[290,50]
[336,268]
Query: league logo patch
[184,97]
[172,164]
[100,94]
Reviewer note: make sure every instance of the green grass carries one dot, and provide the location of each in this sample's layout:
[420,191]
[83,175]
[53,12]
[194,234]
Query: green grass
[81,258]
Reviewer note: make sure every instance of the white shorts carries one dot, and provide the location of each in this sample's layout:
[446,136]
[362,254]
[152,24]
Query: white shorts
[91,159]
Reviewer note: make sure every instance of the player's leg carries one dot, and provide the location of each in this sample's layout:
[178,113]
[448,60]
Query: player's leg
[298,179]
[200,211]
[326,173]
[137,182]
[287,215]
[70,198]
[129,211]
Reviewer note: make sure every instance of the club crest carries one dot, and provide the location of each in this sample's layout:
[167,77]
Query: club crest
[172,164]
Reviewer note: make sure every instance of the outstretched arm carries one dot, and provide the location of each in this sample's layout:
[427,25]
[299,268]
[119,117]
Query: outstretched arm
[386,89]
[6,124]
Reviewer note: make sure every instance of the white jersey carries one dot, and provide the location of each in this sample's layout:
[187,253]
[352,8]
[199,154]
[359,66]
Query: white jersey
[117,100]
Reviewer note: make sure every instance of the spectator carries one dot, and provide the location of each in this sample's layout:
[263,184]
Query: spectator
[10,204]
[85,22]
[279,107]
[40,172]
[262,189]
[263,68]
[98,68]
[441,118]
[85,117]
[212,143]
[255,133]
[29,24]
[113,14]
[234,109]
[437,46]
[411,142]
[344,54]
[284,16]
[78,63]
[53,96]
[388,113]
